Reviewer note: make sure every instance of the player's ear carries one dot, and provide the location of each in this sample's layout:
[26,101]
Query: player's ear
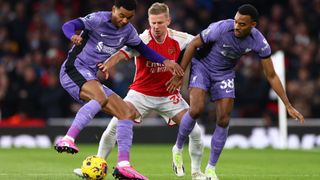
[113,9]
[253,24]
[169,21]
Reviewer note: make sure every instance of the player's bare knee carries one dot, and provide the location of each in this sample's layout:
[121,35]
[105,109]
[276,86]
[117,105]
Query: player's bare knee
[223,124]
[132,113]
[102,100]
[129,113]
[195,112]
[223,121]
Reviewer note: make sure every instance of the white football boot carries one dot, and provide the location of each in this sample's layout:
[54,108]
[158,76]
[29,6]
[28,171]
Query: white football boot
[78,172]
[177,163]
[198,176]
[211,174]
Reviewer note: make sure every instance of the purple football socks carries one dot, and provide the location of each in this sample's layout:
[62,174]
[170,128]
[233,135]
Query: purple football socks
[218,140]
[83,117]
[186,126]
[124,139]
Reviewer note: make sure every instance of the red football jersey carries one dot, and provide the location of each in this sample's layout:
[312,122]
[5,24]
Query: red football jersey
[151,77]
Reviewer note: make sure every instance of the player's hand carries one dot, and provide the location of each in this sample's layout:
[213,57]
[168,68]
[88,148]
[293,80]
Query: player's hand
[76,39]
[173,67]
[103,73]
[295,114]
[174,83]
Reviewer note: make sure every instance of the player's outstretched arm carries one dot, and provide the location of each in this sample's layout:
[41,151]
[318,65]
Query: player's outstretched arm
[152,55]
[190,50]
[109,63]
[276,85]
[173,67]
[175,82]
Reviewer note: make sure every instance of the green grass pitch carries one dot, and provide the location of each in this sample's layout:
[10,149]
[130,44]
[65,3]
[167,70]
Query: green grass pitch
[154,161]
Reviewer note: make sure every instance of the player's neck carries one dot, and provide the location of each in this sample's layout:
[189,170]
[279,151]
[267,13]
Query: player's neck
[159,39]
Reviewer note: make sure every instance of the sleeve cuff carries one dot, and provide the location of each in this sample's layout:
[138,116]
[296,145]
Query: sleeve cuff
[127,56]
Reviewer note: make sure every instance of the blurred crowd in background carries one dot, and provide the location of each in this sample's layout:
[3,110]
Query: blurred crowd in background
[32,48]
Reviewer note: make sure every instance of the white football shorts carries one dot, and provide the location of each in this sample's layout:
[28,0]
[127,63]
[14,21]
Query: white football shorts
[167,107]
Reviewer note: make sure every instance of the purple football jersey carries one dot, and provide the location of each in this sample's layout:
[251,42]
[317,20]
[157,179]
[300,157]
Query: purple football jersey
[101,39]
[213,69]
[104,39]
[227,48]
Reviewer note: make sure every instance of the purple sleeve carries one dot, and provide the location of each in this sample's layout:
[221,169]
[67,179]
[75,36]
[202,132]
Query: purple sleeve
[69,28]
[150,54]
[212,33]
[262,47]
[133,37]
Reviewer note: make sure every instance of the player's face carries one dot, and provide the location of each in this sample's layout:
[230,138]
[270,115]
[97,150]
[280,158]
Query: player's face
[243,25]
[159,24]
[121,16]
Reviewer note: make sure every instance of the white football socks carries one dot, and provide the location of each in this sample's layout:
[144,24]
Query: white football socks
[108,139]
[196,148]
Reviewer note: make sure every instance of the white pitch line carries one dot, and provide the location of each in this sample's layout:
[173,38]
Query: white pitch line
[35,174]
[273,175]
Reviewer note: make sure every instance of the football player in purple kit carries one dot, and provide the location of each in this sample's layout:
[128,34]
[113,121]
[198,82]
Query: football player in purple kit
[103,34]
[218,49]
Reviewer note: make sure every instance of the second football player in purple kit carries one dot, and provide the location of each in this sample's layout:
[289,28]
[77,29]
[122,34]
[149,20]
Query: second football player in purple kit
[214,53]
[102,34]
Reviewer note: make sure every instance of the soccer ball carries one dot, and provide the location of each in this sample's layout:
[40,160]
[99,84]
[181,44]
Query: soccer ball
[94,168]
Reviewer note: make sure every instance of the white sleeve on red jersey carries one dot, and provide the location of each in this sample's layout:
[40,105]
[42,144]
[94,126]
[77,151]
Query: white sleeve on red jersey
[129,52]
[181,37]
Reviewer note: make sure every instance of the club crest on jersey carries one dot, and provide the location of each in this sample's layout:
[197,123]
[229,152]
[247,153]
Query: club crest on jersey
[171,50]
[247,50]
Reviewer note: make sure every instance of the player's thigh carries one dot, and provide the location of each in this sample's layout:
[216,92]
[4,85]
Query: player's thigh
[72,79]
[133,108]
[178,117]
[93,89]
[142,104]
[119,108]
[197,101]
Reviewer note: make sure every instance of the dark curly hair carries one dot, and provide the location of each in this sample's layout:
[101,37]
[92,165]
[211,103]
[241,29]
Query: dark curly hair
[248,9]
[126,4]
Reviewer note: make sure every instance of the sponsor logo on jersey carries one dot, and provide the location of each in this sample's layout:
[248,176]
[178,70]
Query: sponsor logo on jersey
[247,50]
[156,67]
[105,49]
[104,35]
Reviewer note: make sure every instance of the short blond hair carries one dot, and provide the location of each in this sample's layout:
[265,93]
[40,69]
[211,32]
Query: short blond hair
[158,8]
